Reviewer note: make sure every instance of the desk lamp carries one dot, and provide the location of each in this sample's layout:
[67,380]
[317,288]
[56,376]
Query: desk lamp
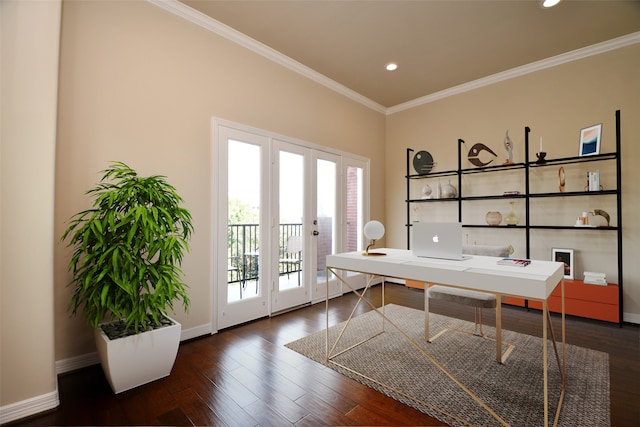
[373,230]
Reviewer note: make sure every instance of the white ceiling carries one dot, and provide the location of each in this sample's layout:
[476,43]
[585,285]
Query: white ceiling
[438,44]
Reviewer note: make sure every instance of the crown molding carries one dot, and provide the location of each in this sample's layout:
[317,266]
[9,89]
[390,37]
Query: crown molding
[180,9]
[553,61]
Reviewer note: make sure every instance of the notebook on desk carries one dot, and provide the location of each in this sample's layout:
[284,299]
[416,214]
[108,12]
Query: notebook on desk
[438,240]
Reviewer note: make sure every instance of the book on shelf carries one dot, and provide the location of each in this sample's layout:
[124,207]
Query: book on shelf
[595,278]
[593,180]
[517,262]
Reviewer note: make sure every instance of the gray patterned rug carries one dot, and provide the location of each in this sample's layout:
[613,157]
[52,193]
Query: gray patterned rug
[513,390]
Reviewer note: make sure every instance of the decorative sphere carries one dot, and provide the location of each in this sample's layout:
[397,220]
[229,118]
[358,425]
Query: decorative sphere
[374,230]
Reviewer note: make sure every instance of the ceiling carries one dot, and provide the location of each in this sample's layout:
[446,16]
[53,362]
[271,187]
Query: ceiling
[438,44]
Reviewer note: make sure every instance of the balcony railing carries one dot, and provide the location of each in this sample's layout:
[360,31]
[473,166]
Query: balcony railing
[243,243]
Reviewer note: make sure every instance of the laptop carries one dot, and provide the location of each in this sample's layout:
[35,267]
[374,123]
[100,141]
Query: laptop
[438,240]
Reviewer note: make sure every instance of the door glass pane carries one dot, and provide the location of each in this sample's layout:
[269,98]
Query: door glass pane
[354,209]
[243,222]
[291,213]
[326,215]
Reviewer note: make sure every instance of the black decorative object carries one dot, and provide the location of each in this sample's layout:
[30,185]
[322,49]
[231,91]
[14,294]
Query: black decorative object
[474,154]
[423,162]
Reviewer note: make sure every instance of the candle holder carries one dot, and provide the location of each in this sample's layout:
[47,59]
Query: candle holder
[541,157]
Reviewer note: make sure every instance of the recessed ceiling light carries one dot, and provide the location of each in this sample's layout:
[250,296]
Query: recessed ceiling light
[391,66]
[546,4]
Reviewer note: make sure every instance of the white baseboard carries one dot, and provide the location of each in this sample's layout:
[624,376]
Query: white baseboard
[28,407]
[77,362]
[89,359]
[195,332]
[631,318]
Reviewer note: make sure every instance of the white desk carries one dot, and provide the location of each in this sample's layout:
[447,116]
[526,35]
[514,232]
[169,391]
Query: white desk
[479,273]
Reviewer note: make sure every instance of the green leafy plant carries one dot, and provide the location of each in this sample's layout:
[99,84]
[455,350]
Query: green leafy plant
[128,250]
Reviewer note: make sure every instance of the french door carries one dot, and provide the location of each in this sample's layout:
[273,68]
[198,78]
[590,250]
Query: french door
[356,211]
[292,234]
[241,276]
[327,222]
[282,207]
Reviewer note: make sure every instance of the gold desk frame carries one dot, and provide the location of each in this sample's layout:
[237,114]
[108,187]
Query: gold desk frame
[546,325]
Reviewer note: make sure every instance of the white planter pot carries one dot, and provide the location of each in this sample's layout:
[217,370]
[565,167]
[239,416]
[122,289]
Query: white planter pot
[138,359]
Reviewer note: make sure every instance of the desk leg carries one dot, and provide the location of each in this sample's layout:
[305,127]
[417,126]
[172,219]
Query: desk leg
[564,340]
[545,315]
[326,310]
[563,367]
[499,328]
[426,312]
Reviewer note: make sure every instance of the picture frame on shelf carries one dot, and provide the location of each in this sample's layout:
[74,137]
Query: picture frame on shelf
[565,256]
[590,140]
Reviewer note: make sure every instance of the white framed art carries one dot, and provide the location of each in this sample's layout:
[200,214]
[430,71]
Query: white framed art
[590,140]
[565,256]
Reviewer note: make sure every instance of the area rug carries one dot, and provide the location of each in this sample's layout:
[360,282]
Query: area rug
[513,390]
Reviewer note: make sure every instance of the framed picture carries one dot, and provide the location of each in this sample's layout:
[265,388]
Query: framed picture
[565,256]
[590,140]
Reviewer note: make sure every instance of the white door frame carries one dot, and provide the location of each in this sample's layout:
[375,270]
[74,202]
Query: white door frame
[262,306]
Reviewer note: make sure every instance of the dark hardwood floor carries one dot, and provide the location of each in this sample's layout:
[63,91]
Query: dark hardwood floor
[244,376]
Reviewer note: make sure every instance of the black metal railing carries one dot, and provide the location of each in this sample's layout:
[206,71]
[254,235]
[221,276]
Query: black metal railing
[243,243]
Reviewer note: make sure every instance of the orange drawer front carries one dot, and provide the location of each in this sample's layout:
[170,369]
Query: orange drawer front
[514,301]
[577,289]
[591,301]
[589,309]
[414,284]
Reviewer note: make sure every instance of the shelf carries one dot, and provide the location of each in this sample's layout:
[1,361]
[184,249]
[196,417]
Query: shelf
[496,168]
[571,227]
[449,199]
[484,169]
[511,227]
[432,175]
[577,159]
[582,300]
[495,196]
[573,193]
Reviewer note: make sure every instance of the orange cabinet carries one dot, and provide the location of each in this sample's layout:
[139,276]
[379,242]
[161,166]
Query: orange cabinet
[580,299]
[414,284]
[592,301]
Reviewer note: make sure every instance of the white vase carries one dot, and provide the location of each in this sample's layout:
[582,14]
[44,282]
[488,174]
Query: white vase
[448,191]
[138,359]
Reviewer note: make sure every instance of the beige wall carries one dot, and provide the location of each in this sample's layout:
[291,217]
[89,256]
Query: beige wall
[29,54]
[555,103]
[140,85]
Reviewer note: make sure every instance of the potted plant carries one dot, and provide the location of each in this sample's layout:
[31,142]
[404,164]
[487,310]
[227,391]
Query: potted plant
[128,249]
